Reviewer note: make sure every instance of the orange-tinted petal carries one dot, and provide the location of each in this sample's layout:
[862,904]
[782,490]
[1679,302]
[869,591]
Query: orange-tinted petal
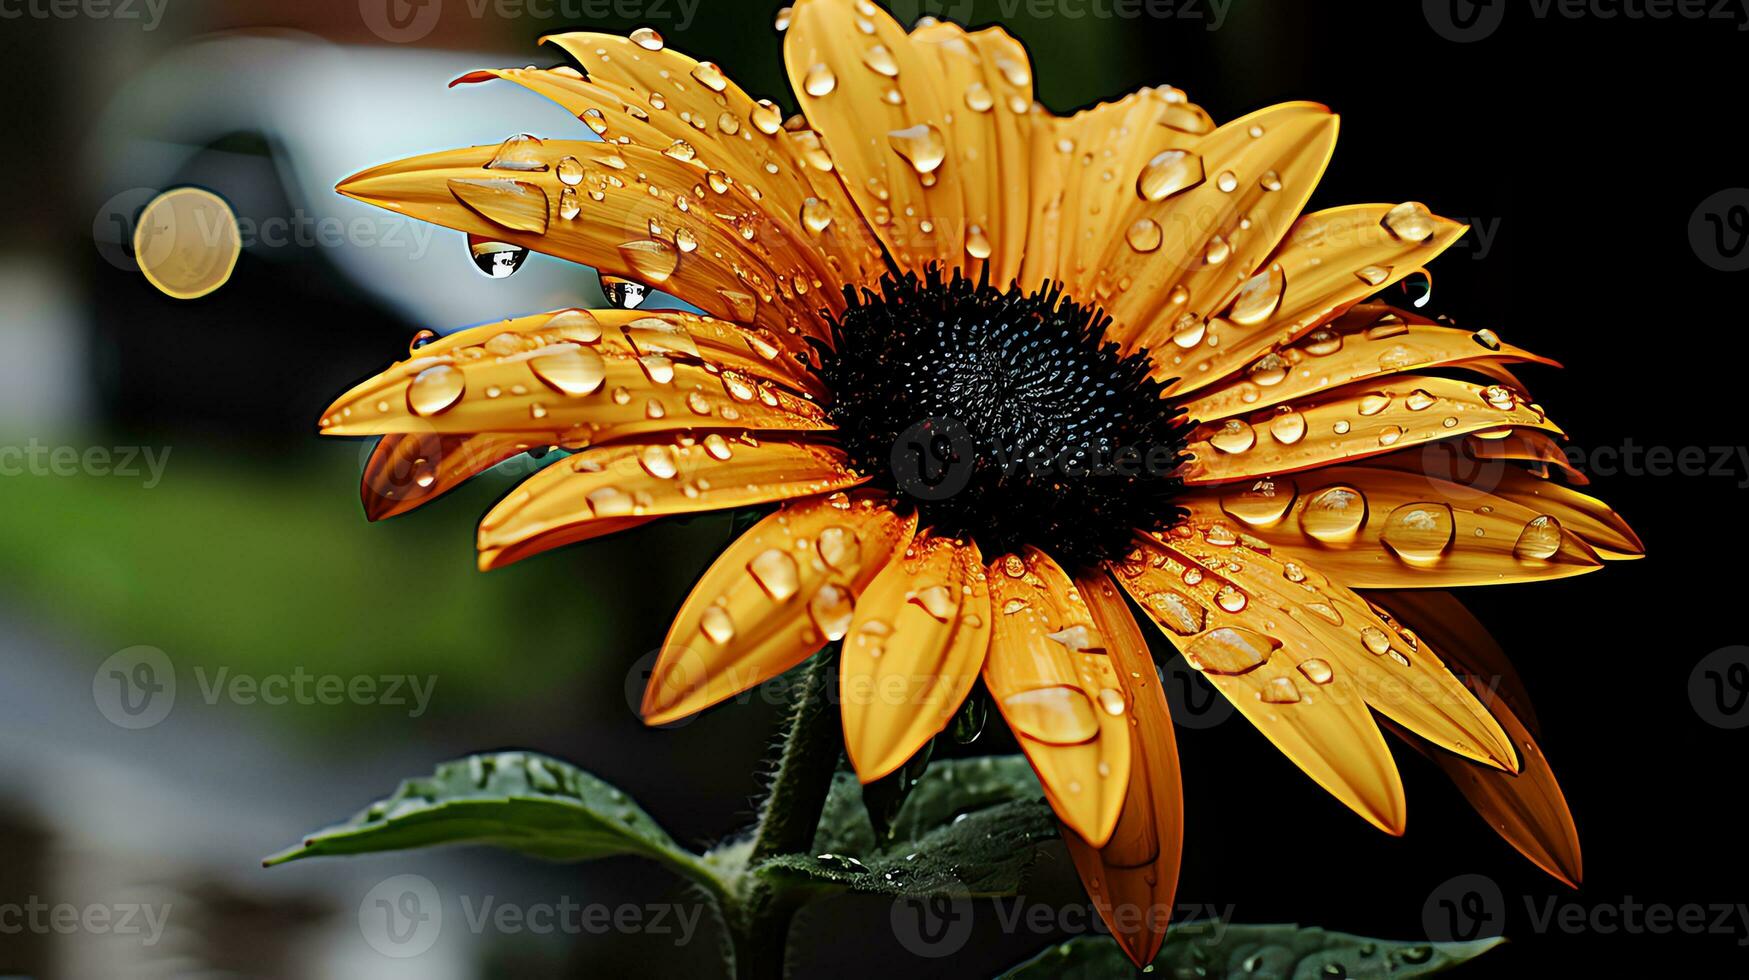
[1330,261]
[578,377]
[1388,527]
[1357,421]
[665,100]
[607,489]
[407,470]
[1365,343]
[1132,879]
[1276,670]
[623,216]
[913,652]
[779,593]
[1198,221]
[1057,688]
[1529,809]
[1396,673]
[881,105]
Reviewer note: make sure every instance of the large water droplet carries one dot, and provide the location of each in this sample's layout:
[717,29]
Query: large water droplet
[653,259]
[840,549]
[832,610]
[1177,612]
[521,153]
[569,369]
[776,573]
[716,625]
[1054,715]
[1419,532]
[1410,221]
[1540,540]
[1260,502]
[1260,296]
[710,76]
[435,389]
[1234,436]
[819,81]
[496,259]
[1230,650]
[1144,235]
[922,145]
[1168,173]
[647,38]
[1333,514]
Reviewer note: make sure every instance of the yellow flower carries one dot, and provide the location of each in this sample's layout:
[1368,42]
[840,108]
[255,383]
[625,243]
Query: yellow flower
[957,338]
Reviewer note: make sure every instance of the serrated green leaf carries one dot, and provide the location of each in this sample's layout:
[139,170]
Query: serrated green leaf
[1212,950]
[950,788]
[516,800]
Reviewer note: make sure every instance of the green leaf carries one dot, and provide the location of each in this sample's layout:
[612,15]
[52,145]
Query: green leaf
[969,827]
[949,788]
[516,800]
[1213,949]
[985,853]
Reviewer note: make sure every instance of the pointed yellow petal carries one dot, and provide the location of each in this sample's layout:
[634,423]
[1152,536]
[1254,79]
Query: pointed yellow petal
[779,593]
[881,106]
[1055,685]
[1354,422]
[666,100]
[1329,261]
[408,470]
[1400,676]
[1529,809]
[1279,675]
[607,489]
[578,377]
[1381,526]
[1368,342]
[1132,879]
[913,652]
[623,216]
[1200,219]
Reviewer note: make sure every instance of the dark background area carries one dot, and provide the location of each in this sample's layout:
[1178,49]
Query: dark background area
[1579,148]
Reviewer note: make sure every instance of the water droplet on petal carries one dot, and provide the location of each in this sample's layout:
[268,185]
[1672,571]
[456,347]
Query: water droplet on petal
[1230,650]
[647,38]
[819,81]
[1144,235]
[569,369]
[710,76]
[1333,514]
[832,610]
[1410,221]
[521,152]
[1420,532]
[776,573]
[435,389]
[716,625]
[1234,436]
[1540,540]
[1168,173]
[1317,670]
[653,259]
[922,145]
[1059,715]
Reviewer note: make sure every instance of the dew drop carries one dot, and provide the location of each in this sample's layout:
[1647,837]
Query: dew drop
[435,389]
[1540,540]
[776,573]
[1333,514]
[569,369]
[1420,532]
[819,81]
[1168,173]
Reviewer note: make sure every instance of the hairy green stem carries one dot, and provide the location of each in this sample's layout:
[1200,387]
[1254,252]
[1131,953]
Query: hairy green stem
[807,758]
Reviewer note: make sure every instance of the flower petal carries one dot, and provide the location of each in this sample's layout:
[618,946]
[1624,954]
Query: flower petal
[987,88]
[1329,261]
[578,377]
[779,593]
[1200,219]
[1367,342]
[1137,870]
[1528,810]
[607,489]
[1366,419]
[1380,526]
[881,106]
[1057,688]
[410,469]
[1276,671]
[1397,674]
[664,99]
[913,652]
[623,217]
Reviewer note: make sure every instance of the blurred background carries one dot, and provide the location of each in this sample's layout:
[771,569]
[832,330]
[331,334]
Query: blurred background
[217,531]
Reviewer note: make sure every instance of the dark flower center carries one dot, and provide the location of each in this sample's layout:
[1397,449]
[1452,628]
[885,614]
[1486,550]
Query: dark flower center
[1004,416]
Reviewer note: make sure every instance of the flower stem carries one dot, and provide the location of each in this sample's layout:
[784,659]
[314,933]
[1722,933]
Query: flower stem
[806,762]
[805,765]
